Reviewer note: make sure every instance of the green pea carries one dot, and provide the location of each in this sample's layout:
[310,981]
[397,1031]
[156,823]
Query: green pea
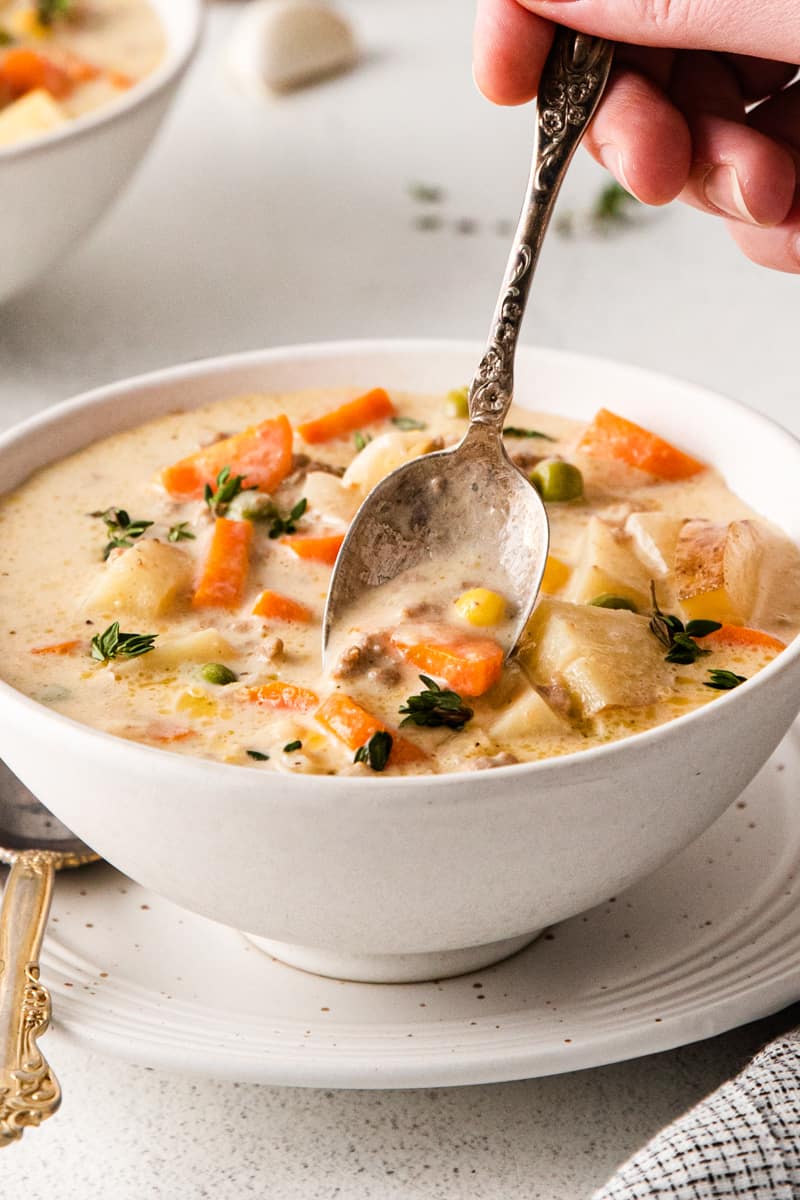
[218,673]
[609,600]
[556,480]
[458,402]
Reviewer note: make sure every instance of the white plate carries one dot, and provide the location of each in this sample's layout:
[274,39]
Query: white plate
[710,941]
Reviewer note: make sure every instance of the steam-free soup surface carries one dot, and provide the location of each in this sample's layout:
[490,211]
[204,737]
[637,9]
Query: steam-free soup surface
[167,585]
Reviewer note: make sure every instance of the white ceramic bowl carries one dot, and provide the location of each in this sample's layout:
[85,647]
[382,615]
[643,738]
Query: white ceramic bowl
[406,878]
[55,187]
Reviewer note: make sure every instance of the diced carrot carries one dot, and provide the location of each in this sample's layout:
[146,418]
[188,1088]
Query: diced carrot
[281,608]
[56,648]
[279,694]
[315,549]
[262,454]
[342,716]
[24,70]
[372,406]
[611,436]
[225,571]
[77,69]
[740,635]
[470,665]
[158,732]
[120,80]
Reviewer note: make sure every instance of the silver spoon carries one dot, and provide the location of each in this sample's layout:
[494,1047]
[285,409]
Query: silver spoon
[36,845]
[420,515]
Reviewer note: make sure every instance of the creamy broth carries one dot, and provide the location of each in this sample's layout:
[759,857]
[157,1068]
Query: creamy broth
[221,681]
[86,56]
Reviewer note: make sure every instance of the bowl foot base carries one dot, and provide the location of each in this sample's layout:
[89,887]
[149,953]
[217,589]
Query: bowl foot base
[393,968]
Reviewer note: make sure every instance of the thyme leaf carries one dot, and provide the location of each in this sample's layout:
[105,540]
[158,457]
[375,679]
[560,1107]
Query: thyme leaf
[361,440]
[375,753]
[436,706]
[724,681]
[111,643]
[287,524]
[290,747]
[408,423]
[514,431]
[257,755]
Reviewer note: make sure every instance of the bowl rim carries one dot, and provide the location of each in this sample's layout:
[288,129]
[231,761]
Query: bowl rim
[787,660]
[169,71]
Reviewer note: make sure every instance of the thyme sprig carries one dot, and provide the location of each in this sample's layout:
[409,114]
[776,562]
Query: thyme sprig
[226,489]
[180,533]
[679,639]
[515,431]
[111,643]
[408,423]
[436,706]
[288,524]
[121,529]
[375,752]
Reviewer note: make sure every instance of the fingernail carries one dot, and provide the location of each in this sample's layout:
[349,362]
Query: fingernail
[723,191]
[612,160]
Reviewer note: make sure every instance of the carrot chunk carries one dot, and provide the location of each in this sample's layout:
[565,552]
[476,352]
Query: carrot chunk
[740,635]
[56,648]
[470,665]
[372,406]
[24,70]
[279,694]
[342,716]
[262,454]
[281,608]
[315,549]
[610,436]
[225,571]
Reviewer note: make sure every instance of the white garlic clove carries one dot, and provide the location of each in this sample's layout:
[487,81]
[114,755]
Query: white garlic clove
[284,44]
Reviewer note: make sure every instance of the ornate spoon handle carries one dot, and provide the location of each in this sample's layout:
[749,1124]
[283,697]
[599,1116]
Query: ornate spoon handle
[572,83]
[29,1091]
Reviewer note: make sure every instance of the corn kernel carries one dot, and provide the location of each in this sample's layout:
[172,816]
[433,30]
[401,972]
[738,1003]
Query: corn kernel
[479,606]
[25,23]
[556,574]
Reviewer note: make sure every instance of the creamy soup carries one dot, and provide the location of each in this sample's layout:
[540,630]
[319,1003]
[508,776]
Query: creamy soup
[60,59]
[167,585]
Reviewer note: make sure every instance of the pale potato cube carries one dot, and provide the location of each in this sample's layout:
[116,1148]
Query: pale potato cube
[384,454]
[329,497]
[33,114]
[602,657]
[529,715]
[147,580]
[654,538]
[206,645]
[608,565]
[762,575]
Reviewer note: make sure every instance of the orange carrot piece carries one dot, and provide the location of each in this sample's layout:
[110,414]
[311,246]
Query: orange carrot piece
[158,732]
[277,607]
[470,665]
[225,570]
[740,635]
[353,725]
[372,406]
[611,436]
[24,70]
[315,549]
[262,454]
[279,694]
[56,648]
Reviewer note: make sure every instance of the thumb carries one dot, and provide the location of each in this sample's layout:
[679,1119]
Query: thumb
[761,28]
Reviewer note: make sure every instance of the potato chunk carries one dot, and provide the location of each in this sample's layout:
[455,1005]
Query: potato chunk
[608,564]
[147,580]
[528,715]
[33,114]
[602,657]
[742,573]
[328,497]
[382,455]
[654,538]
[207,645]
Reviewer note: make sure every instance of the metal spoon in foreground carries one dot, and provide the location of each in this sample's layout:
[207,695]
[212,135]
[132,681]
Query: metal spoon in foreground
[36,845]
[421,515]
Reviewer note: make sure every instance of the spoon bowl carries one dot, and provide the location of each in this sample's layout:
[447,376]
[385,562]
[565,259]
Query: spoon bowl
[36,845]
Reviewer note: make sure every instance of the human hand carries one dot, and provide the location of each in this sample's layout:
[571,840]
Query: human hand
[698,106]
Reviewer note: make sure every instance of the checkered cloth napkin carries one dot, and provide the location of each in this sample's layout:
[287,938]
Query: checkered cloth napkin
[742,1141]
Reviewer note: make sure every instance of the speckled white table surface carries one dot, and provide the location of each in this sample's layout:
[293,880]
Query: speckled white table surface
[293,220]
